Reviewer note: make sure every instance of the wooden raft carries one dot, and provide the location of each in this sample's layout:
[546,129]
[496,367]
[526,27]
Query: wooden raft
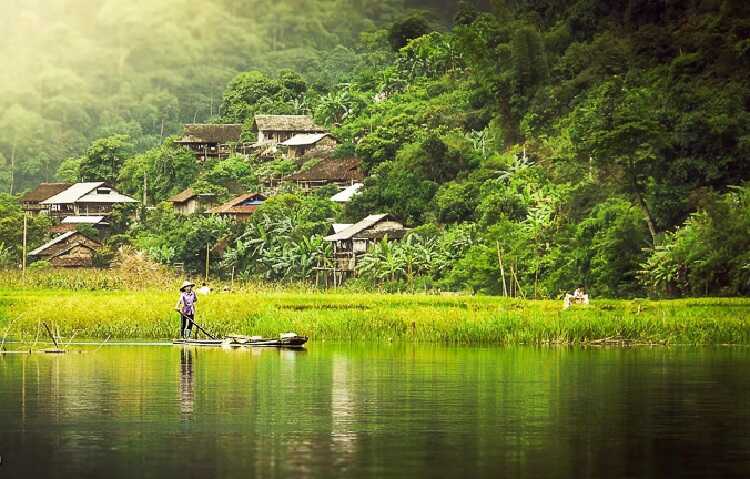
[287,340]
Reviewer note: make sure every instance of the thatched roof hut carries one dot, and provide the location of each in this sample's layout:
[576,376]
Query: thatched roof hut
[339,171]
[295,123]
[32,200]
[211,133]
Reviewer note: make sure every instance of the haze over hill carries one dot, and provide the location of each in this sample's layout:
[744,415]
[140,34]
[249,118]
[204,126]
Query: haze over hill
[77,70]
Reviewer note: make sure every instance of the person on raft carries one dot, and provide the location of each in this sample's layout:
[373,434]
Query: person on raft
[186,307]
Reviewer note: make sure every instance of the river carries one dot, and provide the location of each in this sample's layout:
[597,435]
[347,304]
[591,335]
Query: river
[376,411]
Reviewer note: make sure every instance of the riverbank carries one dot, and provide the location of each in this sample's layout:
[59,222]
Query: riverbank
[149,314]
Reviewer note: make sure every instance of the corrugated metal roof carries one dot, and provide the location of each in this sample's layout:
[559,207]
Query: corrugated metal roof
[346,194]
[304,139]
[352,230]
[52,242]
[72,194]
[82,220]
[111,197]
[339,227]
[86,193]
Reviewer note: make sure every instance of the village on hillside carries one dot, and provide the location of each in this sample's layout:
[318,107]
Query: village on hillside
[79,209]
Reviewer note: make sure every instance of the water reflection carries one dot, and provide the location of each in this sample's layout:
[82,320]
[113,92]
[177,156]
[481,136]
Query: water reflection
[187,381]
[377,412]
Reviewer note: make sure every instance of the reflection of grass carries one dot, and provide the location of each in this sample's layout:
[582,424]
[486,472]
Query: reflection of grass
[377,317]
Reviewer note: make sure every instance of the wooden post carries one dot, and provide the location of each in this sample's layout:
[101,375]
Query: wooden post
[23,249]
[208,256]
[502,270]
[514,277]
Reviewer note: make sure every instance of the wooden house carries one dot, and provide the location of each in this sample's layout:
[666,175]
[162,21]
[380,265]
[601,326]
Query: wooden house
[85,199]
[188,202]
[68,250]
[310,144]
[341,172]
[240,207]
[351,241]
[276,129]
[211,141]
[31,202]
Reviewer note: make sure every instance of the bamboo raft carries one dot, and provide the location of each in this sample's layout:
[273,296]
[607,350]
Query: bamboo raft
[287,340]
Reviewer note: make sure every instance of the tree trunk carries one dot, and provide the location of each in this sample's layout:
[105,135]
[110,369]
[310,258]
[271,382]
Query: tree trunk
[12,165]
[647,213]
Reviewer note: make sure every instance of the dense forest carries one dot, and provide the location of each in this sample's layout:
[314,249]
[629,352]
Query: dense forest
[588,142]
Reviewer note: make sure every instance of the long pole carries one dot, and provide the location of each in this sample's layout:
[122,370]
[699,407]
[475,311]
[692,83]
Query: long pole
[502,270]
[23,252]
[208,256]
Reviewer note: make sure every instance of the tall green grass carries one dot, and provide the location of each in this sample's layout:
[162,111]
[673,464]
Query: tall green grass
[377,317]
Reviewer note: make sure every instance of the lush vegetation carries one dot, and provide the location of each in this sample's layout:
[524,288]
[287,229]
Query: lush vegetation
[561,143]
[350,316]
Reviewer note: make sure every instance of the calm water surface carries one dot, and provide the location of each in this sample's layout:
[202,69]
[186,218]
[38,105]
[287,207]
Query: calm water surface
[385,411]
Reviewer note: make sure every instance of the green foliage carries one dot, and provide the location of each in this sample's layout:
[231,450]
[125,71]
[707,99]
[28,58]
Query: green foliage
[407,29]
[253,92]
[167,169]
[566,136]
[104,159]
[283,240]
[11,229]
[167,237]
[710,254]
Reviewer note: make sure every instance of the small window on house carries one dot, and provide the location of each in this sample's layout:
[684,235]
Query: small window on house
[360,246]
[104,190]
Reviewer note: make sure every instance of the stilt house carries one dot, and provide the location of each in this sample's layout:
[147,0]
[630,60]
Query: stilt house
[241,207]
[188,202]
[341,172]
[279,128]
[352,240]
[211,141]
[309,144]
[85,199]
[31,202]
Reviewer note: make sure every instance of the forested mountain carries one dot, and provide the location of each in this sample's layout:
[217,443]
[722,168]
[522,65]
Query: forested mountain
[78,70]
[593,142]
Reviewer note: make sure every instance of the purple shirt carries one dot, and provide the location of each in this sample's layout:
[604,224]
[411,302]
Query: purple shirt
[188,301]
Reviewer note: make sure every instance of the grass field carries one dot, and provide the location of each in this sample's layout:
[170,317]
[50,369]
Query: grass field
[149,313]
